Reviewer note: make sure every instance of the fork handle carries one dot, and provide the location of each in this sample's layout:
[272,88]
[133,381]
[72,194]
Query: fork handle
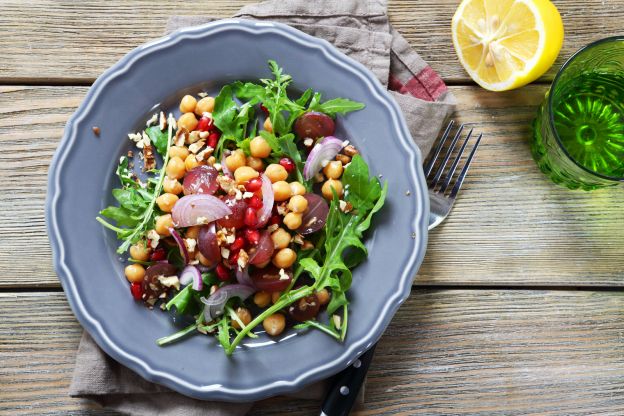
[346,385]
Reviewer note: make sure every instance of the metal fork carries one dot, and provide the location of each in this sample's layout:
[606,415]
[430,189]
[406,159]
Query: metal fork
[442,192]
[443,189]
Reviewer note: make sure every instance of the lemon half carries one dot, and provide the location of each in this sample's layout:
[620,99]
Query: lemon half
[505,44]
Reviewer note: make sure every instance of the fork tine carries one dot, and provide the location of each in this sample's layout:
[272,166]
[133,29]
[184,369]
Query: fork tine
[451,172]
[436,153]
[462,175]
[449,152]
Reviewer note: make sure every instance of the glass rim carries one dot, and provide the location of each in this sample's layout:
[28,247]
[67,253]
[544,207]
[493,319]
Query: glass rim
[551,118]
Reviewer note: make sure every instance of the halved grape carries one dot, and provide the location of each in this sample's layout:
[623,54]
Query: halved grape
[207,243]
[305,308]
[237,218]
[314,125]
[269,279]
[151,286]
[315,216]
[263,251]
[201,180]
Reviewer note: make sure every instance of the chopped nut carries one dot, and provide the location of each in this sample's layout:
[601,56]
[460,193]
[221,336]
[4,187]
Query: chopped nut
[152,120]
[307,245]
[204,134]
[298,239]
[172,121]
[204,153]
[190,244]
[202,94]
[130,153]
[243,259]
[350,150]
[226,183]
[308,142]
[337,321]
[344,159]
[153,237]
[181,137]
[345,206]
[169,281]
[202,220]
[225,252]
[162,121]
[283,275]
[282,209]
[96,130]
[196,147]
[193,137]
[148,157]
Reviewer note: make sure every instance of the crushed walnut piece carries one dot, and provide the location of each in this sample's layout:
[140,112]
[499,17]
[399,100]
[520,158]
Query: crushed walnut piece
[162,121]
[169,281]
[243,259]
[152,120]
[226,236]
[350,150]
[149,158]
[196,147]
[226,183]
[192,137]
[181,137]
[298,239]
[206,153]
[96,130]
[345,206]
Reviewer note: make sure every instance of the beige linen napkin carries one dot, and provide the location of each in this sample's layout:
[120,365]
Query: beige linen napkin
[360,29]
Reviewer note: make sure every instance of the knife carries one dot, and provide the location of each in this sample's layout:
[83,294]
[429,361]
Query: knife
[346,385]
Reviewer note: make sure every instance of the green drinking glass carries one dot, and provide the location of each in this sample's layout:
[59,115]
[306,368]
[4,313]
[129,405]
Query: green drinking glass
[578,136]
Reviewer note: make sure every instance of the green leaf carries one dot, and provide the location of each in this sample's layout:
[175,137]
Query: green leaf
[120,215]
[249,91]
[335,106]
[158,138]
[224,333]
[365,224]
[181,300]
[285,146]
[362,191]
[305,97]
[123,172]
[231,119]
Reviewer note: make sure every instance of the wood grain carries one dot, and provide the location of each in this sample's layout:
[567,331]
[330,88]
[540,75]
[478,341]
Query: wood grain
[446,352]
[69,42]
[510,226]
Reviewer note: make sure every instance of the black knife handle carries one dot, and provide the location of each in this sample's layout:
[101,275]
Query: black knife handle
[346,385]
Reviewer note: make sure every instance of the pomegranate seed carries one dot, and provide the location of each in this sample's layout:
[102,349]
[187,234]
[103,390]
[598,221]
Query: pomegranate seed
[137,290]
[158,254]
[253,236]
[288,164]
[264,109]
[205,124]
[222,272]
[251,219]
[238,243]
[253,185]
[213,139]
[275,219]
[255,202]
[233,259]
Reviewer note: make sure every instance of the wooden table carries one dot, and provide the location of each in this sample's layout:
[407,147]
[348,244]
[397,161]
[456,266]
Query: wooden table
[518,307]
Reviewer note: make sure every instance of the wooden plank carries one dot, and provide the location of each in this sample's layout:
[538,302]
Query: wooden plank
[45,41]
[446,352]
[510,226]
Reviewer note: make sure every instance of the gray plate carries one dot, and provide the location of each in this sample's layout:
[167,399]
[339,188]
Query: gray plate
[81,177]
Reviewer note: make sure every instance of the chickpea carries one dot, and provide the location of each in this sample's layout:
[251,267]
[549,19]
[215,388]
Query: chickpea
[175,168]
[284,258]
[244,315]
[276,172]
[235,160]
[344,159]
[162,225]
[172,186]
[166,202]
[281,238]
[244,174]
[298,204]
[187,121]
[275,296]
[297,189]
[323,296]
[205,105]
[134,273]
[139,251]
[274,324]
[293,220]
[192,232]
[333,170]
[180,151]
[327,188]
[262,299]
[259,147]
[191,162]
[187,104]
[255,163]
[281,191]
[268,126]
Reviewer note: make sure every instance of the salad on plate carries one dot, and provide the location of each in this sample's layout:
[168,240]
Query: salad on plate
[248,212]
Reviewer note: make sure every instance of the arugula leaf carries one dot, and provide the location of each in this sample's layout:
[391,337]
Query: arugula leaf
[324,328]
[120,215]
[361,191]
[158,138]
[181,300]
[305,97]
[231,119]
[123,172]
[335,106]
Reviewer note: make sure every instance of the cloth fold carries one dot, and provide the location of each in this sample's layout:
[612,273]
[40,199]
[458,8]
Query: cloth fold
[358,28]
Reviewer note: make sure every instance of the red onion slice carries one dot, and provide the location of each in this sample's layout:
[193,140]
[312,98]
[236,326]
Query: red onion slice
[325,150]
[216,302]
[242,276]
[198,209]
[180,241]
[268,199]
[191,274]
[315,216]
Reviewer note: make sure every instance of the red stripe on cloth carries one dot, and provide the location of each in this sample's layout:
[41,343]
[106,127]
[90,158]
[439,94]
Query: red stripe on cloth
[426,85]
[394,84]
